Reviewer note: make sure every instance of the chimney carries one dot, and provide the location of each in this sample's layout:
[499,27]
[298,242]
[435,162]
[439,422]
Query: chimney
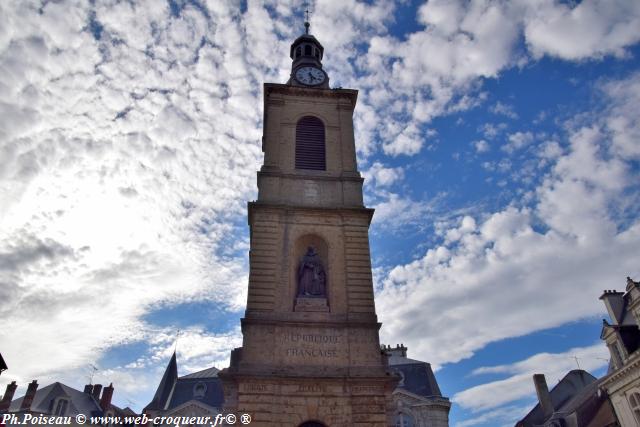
[614,302]
[28,398]
[96,391]
[8,396]
[544,398]
[107,393]
[88,388]
[399,350]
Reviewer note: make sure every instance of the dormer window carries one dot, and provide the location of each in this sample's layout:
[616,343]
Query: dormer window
[199,390]
[401,383]
[61,407]
[618,360]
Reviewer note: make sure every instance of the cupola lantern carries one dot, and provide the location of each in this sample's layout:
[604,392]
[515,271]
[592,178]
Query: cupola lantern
[306,68]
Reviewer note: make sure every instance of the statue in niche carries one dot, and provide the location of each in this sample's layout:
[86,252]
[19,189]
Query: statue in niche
[312,281]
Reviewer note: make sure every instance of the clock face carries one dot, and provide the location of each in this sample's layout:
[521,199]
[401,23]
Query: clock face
[310,76]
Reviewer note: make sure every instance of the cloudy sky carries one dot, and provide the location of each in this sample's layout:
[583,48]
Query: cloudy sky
[499,140]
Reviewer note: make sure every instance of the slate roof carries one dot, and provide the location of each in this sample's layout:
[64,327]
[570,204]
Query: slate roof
[79,402]
[576,392]
[184,391]
[205,373]
[174,391]
[167,382]
[417,376]
[3,364]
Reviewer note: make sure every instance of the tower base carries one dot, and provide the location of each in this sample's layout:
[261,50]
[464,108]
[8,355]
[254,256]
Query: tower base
[291,402]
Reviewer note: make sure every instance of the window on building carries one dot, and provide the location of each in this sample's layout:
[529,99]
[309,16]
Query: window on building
[307,50]
[618,353]
[615,354]
[403,420]
[199,390]
[61,407]
[298,51]
[310,146]
[401,383]
[634,400]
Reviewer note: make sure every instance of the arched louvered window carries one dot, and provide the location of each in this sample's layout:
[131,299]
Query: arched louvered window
[310,150]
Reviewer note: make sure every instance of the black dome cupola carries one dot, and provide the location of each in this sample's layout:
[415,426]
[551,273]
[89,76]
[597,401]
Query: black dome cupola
[306,49]
[306,68]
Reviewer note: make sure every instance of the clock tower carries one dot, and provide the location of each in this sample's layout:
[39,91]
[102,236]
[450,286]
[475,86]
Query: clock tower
[311,354]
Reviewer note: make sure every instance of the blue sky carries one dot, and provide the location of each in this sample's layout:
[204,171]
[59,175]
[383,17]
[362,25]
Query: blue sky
[499,142]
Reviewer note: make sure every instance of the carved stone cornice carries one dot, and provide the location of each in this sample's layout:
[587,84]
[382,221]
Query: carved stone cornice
[632,364]
[277,88]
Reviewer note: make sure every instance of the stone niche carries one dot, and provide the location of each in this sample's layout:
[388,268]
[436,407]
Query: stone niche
[302,302]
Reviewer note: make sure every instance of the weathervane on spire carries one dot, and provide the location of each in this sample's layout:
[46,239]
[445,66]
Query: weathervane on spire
[306,20]
[175,346]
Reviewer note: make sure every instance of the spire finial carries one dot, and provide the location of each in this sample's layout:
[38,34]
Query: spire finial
[306,21]
[175,346]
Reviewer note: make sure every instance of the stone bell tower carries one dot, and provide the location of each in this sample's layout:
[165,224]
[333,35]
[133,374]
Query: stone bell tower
[311,353]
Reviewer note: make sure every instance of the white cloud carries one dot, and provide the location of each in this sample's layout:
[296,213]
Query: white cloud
[504,110]
[589,29]
[409,141]
[505,416]
[520,385]
[517,141]
[196,348]
[624,127]
[550,150]
[514,272]
[467,226]
[491,131]
[394,211]
[481,146]
[381,176]
[437,70]
[126,163]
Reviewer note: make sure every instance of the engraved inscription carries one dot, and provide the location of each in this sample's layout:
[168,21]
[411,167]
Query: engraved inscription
[310,346]
[307,352]
[312,338]
[311,191]
[253,387]
[310,388]
[365,389]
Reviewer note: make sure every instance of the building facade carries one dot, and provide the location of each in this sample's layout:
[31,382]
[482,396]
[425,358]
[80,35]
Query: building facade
[417,400]
[622,337]
[579,399]
[194,395]
[311,352]
[60,400]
